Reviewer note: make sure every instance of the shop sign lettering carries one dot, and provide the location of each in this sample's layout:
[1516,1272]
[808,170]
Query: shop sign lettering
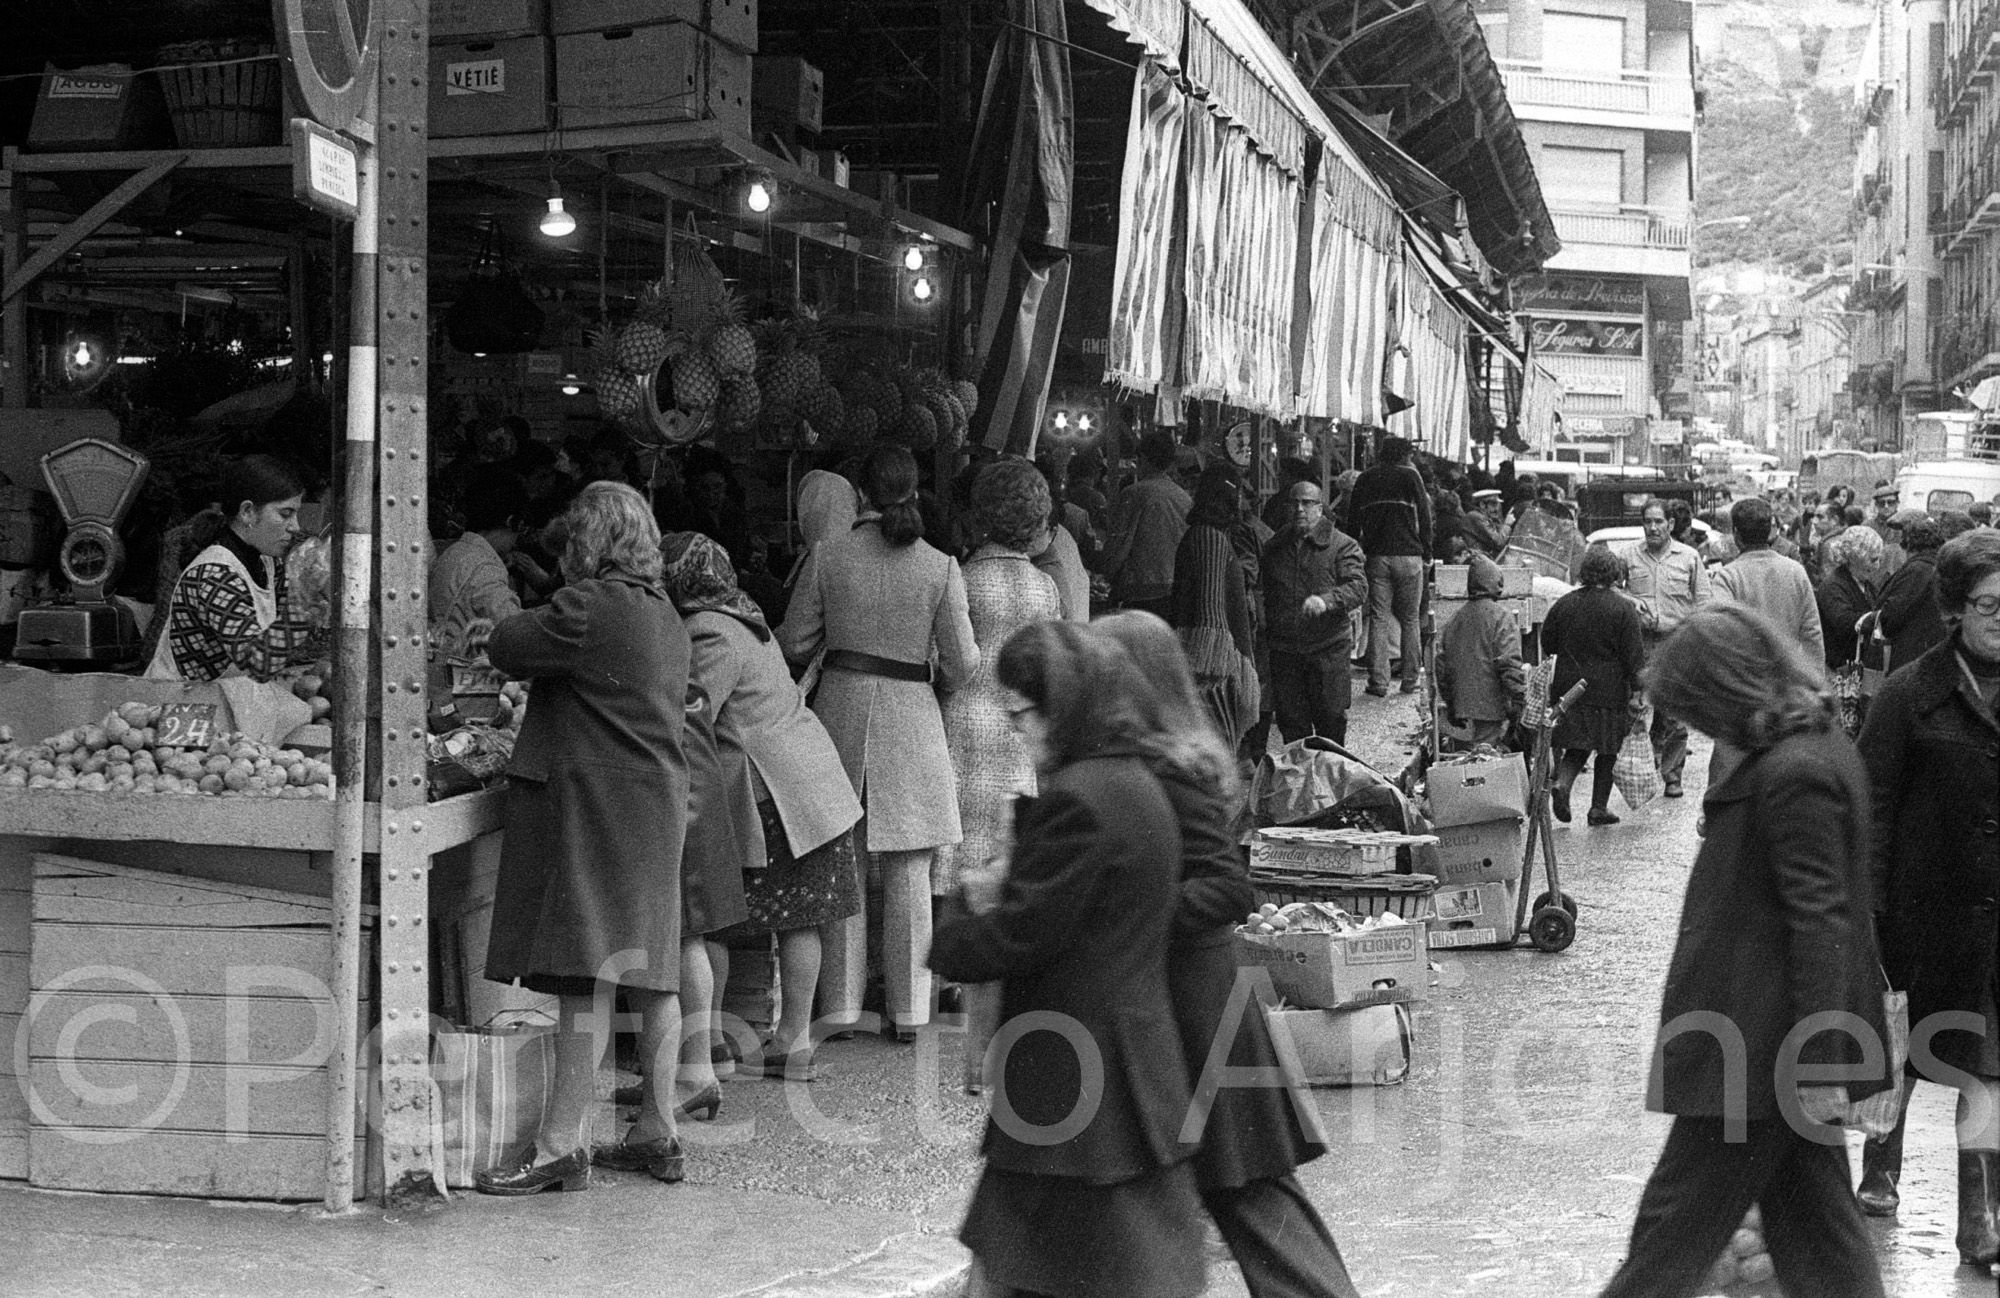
[486,77]
[1558,335]
[1584,293]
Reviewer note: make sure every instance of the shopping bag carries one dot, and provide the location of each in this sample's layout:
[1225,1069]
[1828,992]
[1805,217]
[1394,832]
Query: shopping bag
[1541,679]
[492,1088]
[1847,696]
[1877,1115]
[1635,774]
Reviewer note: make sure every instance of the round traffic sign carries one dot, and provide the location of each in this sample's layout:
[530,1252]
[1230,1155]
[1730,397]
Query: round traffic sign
[330,48]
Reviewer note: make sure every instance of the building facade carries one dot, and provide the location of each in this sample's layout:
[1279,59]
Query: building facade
[1910,224]
[1605,94]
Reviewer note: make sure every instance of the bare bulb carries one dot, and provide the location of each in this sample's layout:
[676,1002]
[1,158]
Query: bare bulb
[1062,419]
[913,258]
[921,290]
[556,222]
[759,197]
[81,356]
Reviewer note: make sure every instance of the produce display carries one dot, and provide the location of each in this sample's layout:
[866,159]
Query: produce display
[314,685]
[1271,919]
[122,754]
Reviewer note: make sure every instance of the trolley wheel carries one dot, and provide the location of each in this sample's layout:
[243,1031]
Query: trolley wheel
[1552,929]
[1561,899]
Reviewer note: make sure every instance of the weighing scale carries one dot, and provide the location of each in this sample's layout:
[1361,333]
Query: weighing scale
[95,483]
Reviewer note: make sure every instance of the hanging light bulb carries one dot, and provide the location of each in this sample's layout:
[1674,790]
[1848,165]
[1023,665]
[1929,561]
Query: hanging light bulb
[82,355]
[1083,423]
[758,197]
[1062,419]
[913,257]
[556,223]
[921,289]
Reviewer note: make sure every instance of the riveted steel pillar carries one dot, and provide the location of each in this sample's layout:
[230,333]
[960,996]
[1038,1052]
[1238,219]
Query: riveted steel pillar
[402,458]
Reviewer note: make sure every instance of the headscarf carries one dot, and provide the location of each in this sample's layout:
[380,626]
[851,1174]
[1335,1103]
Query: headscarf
[698,576]
[828,505]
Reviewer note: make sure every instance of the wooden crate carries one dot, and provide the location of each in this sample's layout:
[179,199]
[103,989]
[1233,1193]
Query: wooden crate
[178,1034]
[17,866]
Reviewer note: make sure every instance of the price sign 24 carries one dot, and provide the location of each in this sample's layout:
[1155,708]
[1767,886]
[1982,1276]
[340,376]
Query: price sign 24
[186,725]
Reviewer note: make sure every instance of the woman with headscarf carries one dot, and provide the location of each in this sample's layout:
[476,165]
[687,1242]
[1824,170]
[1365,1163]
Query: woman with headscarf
[1595,634]
[1210,608]
[889,614]
[799,853]
[1004,592]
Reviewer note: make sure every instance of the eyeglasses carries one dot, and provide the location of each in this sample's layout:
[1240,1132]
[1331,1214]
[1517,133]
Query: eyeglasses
[1985,605]
[1299,502]
[1014,715]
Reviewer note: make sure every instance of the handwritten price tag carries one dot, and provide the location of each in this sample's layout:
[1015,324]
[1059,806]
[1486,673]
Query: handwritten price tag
[186,725]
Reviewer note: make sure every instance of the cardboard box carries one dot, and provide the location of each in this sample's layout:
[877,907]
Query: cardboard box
[458,20]
[1489,852]
[667,73]
[787,92]
[733,22]
[1467,793]
[1482,915]
[490,87]
[1292,850]
[1364,1047]
[1327,971]
[105,106]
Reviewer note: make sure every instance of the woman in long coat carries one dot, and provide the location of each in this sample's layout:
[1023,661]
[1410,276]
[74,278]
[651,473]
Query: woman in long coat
[1594,633]
[1932,744]
[889,612]
[1101,1201]
[1253,1137]
[1775,933]
[588,895]
[1211,605]
[777,756]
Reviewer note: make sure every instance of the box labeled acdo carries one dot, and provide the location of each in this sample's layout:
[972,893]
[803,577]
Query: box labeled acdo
[107,106]
[1363,1047]
[1378,966]
[490,87]
[668,73]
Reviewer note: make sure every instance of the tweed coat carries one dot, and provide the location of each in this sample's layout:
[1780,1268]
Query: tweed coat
[597,809]
[1933,755]
[1081,930]
[1776,927]
[763,725]
[907,603]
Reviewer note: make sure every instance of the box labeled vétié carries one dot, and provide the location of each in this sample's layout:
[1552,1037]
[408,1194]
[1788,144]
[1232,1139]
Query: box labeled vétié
[1378,966]
[1482,915]
[1484,788]
[1362,1047]
[1487,852]
[490,87]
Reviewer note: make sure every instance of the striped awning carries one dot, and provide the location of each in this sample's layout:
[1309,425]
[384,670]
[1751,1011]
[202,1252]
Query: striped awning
[1143,346]
[1431,336]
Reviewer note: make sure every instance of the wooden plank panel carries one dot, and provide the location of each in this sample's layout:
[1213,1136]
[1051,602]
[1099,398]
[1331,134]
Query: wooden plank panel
[13,1103]
[190,1163]
[241,822]
[265,867]
[201,1029]
[179,960]
[13,1154]
[15,908]
[98,1095]
[71,890]
[10,1027]
[13,983]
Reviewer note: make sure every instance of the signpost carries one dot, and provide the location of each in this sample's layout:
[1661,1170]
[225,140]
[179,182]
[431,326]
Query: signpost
[326,170]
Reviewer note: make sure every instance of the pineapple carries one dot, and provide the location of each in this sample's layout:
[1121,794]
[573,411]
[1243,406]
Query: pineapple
[732,346]
[642,347]
[697,385]
[862,425]
[618,394]
[824,408]
[967,393]
[741,401]
[920,427]
[653,308]
[790,378]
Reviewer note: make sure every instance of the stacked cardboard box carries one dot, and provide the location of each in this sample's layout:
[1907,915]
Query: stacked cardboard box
[1343,1020]
[1478,808]
[626,62]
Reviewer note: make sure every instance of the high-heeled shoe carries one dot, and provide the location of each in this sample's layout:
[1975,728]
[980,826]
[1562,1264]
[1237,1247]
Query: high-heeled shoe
[703,1105]
[570,1172]
[662,1159]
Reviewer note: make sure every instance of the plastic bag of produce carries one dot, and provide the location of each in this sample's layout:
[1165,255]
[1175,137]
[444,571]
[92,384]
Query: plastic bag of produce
[1635,774]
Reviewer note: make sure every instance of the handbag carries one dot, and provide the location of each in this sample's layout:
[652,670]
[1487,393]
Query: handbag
[1635,773]
[1847,696]
[1877,1115]
[491,1091]
[1541,679]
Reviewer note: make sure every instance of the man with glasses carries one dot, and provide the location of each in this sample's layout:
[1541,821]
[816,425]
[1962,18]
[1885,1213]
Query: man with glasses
[1314,577]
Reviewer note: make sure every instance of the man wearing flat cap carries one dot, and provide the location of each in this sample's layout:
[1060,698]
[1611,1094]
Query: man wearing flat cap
[1314,577]
[1482,528]
[1882,522]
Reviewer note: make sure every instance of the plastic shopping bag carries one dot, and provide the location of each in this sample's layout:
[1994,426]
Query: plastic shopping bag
[1541,680]
[1877,1115]
[1635,774]
[492,1089]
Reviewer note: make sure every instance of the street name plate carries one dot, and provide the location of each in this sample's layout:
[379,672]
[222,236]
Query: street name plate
[326,170]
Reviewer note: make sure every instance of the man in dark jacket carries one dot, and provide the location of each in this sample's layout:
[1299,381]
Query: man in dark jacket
[1908,617]
[1390,513]
[1313,578]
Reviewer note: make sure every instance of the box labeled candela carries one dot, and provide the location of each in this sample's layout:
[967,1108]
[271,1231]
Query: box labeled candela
[1381,965]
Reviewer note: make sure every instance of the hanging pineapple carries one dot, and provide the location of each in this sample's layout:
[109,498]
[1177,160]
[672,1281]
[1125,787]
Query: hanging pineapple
[697,383]
[731,345]
[741,401]
[618,393]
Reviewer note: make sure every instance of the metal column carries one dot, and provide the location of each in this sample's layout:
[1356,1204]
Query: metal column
[402,458]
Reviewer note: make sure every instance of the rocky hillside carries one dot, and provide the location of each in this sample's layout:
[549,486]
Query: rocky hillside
[1776,144]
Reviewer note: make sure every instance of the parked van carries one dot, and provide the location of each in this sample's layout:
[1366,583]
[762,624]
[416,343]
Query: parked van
[1941,485]
[1838,466]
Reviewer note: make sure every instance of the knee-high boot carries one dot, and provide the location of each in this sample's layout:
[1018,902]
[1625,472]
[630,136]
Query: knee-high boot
[1881,1172]
[1978,1176]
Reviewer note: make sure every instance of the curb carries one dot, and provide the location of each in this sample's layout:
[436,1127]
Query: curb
[913,1265]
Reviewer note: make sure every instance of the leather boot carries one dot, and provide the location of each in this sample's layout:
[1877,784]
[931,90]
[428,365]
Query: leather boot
[1881,1170]
[1978,1176]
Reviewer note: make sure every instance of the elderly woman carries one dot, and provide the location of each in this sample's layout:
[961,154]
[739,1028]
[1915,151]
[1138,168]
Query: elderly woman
[1254,1136]
[889,613]
[1595,634]
[1211,604]
[587,902]
[1932,744]
[1847,600]
[798,852]
[1087,1191]
[1909,617]
[1775,934]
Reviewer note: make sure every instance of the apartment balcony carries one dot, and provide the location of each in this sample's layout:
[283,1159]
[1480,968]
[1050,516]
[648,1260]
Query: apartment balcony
[1971,66]
[1973,211]
[1646,100]
[1628,241]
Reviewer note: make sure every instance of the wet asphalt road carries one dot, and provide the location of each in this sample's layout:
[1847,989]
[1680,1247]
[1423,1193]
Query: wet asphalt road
[1510,1161]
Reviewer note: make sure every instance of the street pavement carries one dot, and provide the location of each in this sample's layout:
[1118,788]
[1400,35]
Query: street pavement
[1509,1162]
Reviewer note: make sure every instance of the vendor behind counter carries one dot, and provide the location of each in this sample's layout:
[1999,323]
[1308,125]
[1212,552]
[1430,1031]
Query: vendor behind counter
[230,613]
